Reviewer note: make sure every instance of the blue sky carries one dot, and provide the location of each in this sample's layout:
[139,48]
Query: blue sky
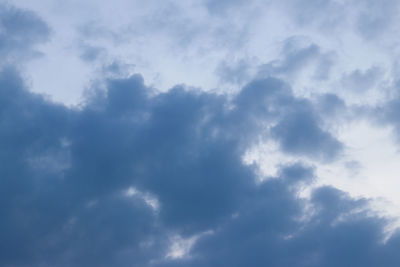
[199,133]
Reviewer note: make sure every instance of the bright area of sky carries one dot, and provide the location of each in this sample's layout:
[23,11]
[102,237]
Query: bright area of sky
[322,47]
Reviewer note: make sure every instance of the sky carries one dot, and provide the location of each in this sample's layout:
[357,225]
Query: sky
[199,133]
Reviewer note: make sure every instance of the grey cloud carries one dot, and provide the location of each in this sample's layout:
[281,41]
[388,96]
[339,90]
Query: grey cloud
[370,20]
[267,232]
[375,17]
[184,147]
[65,173]
[20,31]
[91,53]
[297,56]
[299,134]
[218,7]
[331,105]
[361,81]
[297,124]
[236,72]
[324,15]
[388,114]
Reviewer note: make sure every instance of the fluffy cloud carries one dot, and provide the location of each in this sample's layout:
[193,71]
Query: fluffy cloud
[65,175]
[135,177]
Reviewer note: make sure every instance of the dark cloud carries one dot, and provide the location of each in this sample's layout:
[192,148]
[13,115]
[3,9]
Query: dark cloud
[266,232]
[65,171]
[297,125]
[299,134]
[112,182]
[20,31]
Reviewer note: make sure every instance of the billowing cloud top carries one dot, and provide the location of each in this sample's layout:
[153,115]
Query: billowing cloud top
[138,176]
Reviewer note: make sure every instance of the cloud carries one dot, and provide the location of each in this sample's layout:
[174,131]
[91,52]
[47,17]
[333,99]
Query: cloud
[65,173]
[376,18]
[20,31]
[387,114]
[236,72]
[299,133]
[266,232]
[218,7]
[90,53]
[296,124]
[298,55]
[134,176]
[362,81]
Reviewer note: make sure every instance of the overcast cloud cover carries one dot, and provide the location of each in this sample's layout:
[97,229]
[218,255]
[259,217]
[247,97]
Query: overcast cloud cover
[199,133]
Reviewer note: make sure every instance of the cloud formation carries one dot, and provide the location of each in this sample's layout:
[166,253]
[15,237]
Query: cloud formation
[20,31]
[138,177]
[65,175]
